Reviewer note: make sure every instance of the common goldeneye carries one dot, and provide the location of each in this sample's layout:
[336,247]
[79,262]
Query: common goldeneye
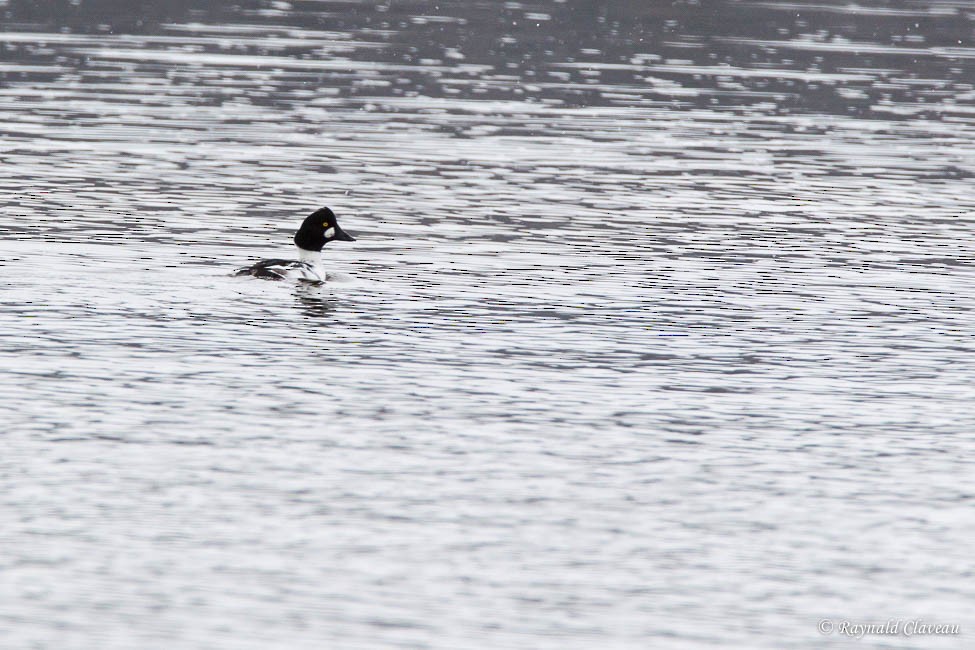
[318,228]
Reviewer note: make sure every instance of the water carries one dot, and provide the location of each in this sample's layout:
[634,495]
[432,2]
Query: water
[656,331]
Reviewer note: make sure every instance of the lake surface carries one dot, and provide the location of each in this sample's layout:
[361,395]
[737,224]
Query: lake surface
[657,332]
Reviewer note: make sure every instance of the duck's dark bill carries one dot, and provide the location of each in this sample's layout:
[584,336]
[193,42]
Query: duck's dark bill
[341,235]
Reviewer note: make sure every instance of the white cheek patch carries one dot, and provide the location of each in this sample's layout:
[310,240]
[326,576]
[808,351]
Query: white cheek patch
[330,232]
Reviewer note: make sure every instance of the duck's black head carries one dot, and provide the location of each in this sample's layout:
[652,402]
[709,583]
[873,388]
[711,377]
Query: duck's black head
[318,229]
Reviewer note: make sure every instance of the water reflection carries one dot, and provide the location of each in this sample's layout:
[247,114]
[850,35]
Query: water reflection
[797,57]
[314,300]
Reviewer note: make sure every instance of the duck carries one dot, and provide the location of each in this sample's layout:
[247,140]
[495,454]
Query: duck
[318,228]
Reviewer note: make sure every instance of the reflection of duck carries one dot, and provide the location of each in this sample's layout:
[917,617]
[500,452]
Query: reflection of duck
[316,230]
[312,303]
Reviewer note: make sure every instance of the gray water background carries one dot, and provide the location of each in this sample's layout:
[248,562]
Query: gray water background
[657,332]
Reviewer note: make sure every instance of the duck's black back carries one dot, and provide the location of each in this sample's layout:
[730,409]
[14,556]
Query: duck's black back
[267,269]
